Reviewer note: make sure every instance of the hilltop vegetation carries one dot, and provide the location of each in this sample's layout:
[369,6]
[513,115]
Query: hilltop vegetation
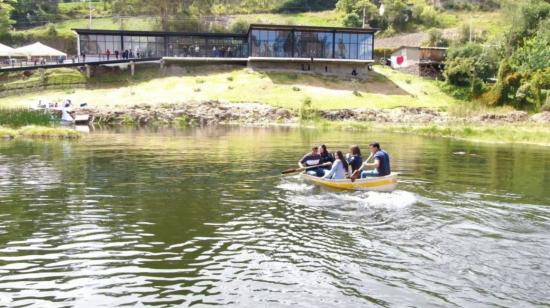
[498,54]
[510,68]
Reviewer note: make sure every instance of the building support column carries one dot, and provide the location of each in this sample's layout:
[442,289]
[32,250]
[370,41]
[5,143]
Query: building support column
[132,68]
[42,76]
[88,70]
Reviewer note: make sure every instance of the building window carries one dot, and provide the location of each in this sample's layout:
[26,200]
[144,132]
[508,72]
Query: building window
[228,47]
[313,44]
[187,46]
[144,46]
[365,46]
[99,44]
[268,43]
[353,46]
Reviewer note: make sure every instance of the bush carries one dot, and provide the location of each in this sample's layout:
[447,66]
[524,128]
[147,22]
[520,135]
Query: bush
[352,20]
[240,26]
[435,38]
[23,117]
[297,6]
[307,112]
[429,17]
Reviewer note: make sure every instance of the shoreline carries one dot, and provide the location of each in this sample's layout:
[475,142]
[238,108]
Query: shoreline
[514,127]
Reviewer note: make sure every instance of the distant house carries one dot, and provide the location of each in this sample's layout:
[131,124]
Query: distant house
[422,61]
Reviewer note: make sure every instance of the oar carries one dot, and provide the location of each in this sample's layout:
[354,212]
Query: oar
[357,173]
[304,168]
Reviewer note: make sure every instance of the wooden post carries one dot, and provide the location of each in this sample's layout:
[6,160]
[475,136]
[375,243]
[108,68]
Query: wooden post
[132,67]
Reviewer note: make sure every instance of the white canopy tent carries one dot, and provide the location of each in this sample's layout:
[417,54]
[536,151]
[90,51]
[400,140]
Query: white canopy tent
[6,51]
[39,50]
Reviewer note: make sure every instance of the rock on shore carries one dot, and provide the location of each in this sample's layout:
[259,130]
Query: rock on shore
[203,113]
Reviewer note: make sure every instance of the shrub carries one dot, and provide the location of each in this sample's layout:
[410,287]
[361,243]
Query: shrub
[429,17]
[297,6]
[23,117]
[240,26]
[296,89]
[352,20]
[436,39]
[230,78]
[307,112]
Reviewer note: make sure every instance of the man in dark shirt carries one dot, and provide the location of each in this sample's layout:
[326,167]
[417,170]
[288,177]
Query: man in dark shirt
[381,162]
[312,159]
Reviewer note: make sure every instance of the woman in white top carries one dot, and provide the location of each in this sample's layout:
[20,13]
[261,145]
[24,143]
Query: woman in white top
[339,167]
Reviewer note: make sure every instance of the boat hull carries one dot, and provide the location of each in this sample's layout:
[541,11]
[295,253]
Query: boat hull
[383,183]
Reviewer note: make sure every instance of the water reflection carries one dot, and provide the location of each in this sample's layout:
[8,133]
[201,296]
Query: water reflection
[201,216]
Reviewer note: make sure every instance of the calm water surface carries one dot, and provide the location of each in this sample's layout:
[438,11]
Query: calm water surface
[202,217]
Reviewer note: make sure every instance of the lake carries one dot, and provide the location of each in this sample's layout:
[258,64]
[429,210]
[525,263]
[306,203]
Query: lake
[143,217]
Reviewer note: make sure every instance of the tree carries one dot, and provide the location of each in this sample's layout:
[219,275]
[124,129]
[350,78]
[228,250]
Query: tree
[526,18]
[122,8]
[436,39]
[6,7]
[34,12]
[352,20]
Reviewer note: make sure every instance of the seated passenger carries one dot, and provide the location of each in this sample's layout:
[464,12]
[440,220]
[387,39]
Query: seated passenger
[381,162]
[354,159]
[312,159]
[339,167]
[326,157]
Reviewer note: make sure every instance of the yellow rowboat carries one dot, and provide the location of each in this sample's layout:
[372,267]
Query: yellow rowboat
[382,183]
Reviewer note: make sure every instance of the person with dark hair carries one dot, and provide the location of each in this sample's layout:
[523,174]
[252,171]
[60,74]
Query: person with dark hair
[381,164]
[354,158]
[339,167]
[326,157]
[312,159]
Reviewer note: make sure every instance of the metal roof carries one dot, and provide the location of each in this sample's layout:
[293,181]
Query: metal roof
[157,33]
[211,34]
[311,28]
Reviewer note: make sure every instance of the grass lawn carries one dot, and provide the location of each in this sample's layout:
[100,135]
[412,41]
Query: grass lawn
[384,89]
[525,133]
[325,18]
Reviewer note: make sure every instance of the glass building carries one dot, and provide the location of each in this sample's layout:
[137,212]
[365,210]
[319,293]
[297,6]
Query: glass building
[261,41]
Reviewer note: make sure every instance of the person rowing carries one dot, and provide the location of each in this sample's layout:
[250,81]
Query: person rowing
[312,159]
[380,166]
[339,167]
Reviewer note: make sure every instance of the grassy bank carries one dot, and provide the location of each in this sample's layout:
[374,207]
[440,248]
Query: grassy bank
[384,89]
[18,117]
[537,134]
[34,131]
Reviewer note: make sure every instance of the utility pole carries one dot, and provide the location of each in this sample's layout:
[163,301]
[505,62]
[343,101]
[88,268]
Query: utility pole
[365,17]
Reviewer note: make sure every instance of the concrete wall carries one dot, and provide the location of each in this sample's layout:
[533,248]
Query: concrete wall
[411,55]
[323,68]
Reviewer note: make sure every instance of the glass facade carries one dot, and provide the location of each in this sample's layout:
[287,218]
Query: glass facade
[144,46]
[93,44]
[353,46]
[313,44]
[291,42]
[270,43]
[308,44]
